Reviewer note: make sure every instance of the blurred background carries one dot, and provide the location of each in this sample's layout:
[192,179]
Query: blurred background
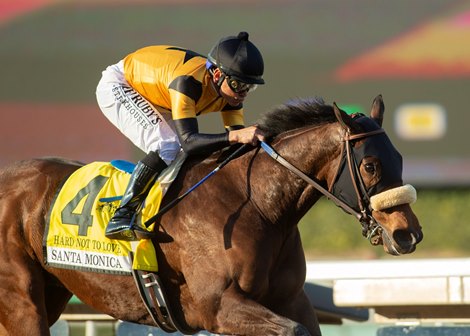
[415,53]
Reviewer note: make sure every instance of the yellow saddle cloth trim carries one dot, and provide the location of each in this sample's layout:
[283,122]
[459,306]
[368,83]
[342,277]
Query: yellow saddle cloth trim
[75,230]
[145,256]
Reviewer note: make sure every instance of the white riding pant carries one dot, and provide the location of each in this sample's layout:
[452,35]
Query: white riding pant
[140,121]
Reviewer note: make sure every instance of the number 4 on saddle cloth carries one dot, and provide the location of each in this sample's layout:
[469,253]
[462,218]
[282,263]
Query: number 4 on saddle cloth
[74,235]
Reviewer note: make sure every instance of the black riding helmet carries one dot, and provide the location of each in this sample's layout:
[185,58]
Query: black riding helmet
[237,57]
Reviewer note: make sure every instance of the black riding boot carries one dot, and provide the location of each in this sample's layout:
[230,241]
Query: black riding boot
[123,224]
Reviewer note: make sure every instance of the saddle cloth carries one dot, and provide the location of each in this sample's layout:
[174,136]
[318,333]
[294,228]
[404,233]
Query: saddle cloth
[74,234]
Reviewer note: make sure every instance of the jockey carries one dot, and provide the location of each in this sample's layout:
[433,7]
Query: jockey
[153,97]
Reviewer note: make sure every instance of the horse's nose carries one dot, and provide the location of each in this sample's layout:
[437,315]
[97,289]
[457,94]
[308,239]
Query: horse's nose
[406,240]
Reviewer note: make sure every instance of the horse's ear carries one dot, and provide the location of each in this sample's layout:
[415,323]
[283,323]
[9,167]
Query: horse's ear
[343,118]
[377,110]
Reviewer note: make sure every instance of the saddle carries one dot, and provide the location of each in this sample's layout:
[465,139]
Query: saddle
[74,235]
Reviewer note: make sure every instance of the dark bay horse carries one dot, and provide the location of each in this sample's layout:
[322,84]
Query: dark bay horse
[234,263]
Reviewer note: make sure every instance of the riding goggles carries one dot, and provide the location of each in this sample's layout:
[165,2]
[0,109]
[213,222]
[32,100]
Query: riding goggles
[239,87]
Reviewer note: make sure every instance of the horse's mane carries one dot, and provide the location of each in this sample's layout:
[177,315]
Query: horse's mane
[296,113]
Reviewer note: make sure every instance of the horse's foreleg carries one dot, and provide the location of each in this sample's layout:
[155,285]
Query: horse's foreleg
[300,309]
[241,316]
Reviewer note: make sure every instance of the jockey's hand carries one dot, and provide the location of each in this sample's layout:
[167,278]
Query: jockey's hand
[248,135]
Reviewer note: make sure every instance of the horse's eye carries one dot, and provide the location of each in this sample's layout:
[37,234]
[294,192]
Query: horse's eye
[370,168]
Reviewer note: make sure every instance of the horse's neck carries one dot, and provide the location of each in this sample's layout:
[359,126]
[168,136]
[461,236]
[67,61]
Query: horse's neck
[284,198]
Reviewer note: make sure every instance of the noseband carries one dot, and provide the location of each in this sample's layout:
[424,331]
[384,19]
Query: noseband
[371,229]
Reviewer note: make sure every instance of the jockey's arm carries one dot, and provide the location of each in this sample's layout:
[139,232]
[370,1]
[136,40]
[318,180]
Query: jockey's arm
[194,143]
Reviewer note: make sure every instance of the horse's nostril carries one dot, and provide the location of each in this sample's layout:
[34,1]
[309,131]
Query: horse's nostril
[404,238]
[420,237]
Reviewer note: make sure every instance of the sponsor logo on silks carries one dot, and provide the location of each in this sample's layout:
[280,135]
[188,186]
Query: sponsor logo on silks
[136,105]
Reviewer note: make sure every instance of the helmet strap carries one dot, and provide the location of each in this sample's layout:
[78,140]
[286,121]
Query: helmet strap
[221,80]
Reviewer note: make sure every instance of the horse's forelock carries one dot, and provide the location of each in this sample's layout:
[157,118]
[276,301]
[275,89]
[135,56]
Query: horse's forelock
[295,114]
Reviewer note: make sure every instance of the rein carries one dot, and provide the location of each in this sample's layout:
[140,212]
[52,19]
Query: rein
[272,153]
[170,205]
[371,229]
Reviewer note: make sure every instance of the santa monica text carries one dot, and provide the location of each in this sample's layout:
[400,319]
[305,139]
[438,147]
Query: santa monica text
[85,259]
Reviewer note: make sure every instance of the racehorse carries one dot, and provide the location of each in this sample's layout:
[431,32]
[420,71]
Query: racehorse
[233,261]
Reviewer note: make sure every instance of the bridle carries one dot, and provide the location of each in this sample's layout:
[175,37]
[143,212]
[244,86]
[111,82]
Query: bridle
[371,229]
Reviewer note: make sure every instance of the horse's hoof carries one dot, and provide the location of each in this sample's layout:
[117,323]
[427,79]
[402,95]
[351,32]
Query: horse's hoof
[300,330]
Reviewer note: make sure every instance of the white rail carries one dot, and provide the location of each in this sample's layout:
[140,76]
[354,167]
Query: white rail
[414,289]
[389,268]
